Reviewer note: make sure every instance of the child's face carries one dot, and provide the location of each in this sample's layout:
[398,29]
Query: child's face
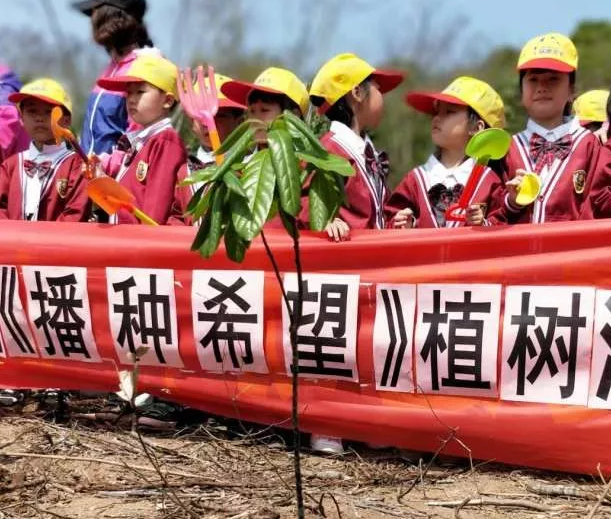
[226,121]
[147,104]
[545,94]
[450,126]
[369,107]
[265,112]
[36,117]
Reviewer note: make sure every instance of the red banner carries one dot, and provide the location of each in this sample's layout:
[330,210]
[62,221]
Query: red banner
[503,333]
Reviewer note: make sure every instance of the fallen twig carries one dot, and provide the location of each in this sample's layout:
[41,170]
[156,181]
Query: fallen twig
[545,489]
[602,497]
[485,501]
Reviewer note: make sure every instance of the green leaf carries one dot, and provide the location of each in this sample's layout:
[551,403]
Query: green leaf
[235,154]
[204,202]
[324,198]
[258,181]
[215,230]
[330,162]
[235,246]
[279,123]
[195,199]
[302,128]
[287,170]
[233,137]
[201,175]
[233,184]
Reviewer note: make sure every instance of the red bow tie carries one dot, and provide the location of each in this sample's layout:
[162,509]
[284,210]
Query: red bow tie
[544,152]
[124,145]
[376,163]
[39,169]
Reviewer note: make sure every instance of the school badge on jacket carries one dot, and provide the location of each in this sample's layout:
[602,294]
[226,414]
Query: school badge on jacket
[579,181]
[62,187]
[141,170]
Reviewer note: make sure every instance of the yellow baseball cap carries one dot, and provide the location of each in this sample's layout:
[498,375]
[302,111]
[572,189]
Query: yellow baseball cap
[146,68]
[272,80]
[591,106]
[552,51]
[464,91]
[44,89]
[224,102]
[342,73]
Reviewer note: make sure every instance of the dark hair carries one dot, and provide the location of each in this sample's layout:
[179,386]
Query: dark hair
[341,110]
[568,108]
[282,100]
[117,30]
[234,112]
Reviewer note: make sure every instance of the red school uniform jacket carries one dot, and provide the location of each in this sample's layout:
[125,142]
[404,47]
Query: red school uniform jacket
[430,189]
[566,179]
[149,171]
[599,200]
[366,190]
[63,195]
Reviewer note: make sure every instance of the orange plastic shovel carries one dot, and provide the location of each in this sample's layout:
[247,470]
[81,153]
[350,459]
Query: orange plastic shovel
[64,134]
[111,196]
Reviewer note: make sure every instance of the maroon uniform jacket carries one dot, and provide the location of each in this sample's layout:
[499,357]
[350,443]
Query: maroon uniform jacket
[63,195]
[599,200]
[149,171]
[365,191]
[565,185]
[430,189]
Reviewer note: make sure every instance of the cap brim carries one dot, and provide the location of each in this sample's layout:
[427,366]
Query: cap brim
[238,91]
[119,83]
[228,103]
[87,6]
[425,101]
[17,97]
[546,64]
[387,79]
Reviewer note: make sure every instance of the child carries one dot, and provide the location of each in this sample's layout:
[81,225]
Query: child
[118,27]
[13,137]
[591,109]
[274,90]
[154,154]
[349,92]
[228,117]
[45,181]
[465,107]
[553,145]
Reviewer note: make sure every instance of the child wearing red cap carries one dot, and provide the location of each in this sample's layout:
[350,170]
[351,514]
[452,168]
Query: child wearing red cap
[554,145]
[151,157]
[349,92]
[465,107]
[228,117]
[44,182]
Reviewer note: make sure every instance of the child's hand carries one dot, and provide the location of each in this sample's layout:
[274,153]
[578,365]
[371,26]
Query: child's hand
[404,219]
[92,168]
[474,215]
[338,230]
[513,185]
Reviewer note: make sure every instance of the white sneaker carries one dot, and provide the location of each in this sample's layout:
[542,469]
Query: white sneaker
[326,444]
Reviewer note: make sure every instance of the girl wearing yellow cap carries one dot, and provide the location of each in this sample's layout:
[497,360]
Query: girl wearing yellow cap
[228,117]
[465,107]
[554,145]
[274,90]
[44,182]
[349,91]
[151,157]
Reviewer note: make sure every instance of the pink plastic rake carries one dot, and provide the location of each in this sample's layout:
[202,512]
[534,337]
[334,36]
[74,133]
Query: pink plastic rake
[201,103]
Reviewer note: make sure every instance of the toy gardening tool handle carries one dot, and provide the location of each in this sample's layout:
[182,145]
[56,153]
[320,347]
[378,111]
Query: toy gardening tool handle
[456,212]
[143,217]
[216,144]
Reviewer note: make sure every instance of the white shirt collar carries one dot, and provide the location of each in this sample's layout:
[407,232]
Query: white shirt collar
[49,152]
[205,156]
[139,137]
[349,138]
[569,125]
[437,173]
